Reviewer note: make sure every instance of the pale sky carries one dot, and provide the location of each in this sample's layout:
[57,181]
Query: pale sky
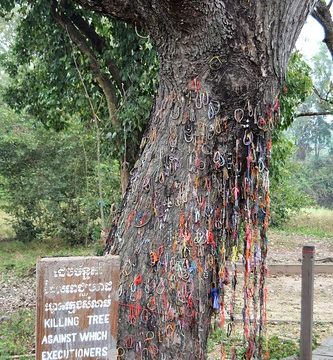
[310,38]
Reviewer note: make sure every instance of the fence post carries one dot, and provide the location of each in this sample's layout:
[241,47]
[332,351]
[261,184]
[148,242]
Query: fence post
[307,302]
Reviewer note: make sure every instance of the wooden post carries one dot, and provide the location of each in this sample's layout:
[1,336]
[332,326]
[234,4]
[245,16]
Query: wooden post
[307,302]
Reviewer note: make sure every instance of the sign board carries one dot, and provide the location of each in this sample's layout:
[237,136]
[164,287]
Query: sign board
[77,308]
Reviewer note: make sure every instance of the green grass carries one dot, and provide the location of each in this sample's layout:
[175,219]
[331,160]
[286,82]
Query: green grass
[17,335]
[278,347]
[316,222]
[21,258]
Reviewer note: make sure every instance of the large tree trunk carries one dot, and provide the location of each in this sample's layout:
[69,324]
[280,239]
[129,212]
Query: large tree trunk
[199,195]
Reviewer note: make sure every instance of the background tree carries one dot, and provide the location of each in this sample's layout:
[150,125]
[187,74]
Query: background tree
[312,135]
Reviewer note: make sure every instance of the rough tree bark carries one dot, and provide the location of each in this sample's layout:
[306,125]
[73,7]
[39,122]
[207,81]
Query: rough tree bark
[198,196]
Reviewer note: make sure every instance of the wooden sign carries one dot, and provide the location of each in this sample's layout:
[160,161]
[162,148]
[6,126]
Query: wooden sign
[77,308]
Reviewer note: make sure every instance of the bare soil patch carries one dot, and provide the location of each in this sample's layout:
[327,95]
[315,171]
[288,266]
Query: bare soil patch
[16,293]
[285,248]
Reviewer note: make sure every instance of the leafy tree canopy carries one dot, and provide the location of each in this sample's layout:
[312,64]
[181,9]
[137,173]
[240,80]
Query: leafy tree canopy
[43,64]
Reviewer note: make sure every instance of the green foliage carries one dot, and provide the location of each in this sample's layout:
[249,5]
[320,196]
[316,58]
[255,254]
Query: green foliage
[281,348]
[313,138]
[17,334]
[46,84]
[6,230]
[287,193]
[297,86]
[50,180]
[287,196]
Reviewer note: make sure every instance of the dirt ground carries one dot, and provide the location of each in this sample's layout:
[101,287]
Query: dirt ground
[284,298]
[16,294]
[284,301]
[286,248]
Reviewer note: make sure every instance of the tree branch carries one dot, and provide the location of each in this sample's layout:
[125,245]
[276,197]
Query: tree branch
[323,113]
[97,42]
[326,98]
[322,14]
[103,81]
